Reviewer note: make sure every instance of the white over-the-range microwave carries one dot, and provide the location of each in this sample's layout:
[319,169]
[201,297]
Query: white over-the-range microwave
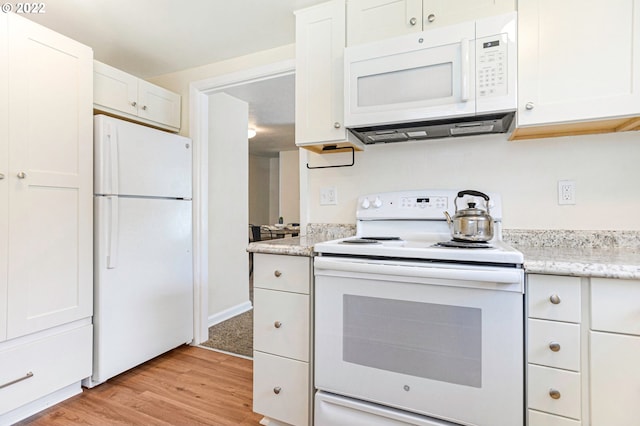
[453,81]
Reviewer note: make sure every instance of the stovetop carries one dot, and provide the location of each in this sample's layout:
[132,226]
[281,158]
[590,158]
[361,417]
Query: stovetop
[495,251]
[412,225]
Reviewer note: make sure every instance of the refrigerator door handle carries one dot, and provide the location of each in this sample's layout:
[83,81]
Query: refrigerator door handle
[112,167]
[112,234]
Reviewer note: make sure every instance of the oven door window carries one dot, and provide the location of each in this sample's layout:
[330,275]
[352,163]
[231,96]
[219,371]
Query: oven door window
[428,340]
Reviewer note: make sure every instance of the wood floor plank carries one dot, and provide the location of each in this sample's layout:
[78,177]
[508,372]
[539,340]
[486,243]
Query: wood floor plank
[187,386]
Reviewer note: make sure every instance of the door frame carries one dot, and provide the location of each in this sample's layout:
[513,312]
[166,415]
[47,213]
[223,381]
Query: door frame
[199,92]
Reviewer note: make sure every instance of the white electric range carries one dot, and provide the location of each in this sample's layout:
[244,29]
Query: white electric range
[408,331]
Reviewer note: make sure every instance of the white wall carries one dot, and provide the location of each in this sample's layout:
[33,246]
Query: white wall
[179,81]
[259,189]
[228,206]
[605,168]
[274,196]
[289,187]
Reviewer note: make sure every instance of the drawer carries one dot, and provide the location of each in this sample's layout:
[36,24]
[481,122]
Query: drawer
[46,365]
[553,297]
[615,305]
[536,418]
[542,380]
[554,344]
[281,388]
[281,323]
[281,272]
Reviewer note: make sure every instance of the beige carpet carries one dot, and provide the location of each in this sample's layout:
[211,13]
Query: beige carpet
[234,335]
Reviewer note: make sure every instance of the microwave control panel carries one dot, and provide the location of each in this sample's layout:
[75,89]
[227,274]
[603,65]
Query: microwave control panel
[491,66]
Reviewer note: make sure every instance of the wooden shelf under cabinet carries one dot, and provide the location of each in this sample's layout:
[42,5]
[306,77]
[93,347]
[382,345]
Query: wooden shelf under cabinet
[575,129]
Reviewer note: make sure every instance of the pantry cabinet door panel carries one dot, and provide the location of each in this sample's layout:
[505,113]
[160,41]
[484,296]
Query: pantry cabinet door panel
[50,180]
[587,70]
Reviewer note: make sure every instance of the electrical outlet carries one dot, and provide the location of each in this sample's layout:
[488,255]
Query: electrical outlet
[328,196]
[566,192]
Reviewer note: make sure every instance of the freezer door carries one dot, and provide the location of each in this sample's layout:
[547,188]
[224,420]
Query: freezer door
[143,281]
[131,159]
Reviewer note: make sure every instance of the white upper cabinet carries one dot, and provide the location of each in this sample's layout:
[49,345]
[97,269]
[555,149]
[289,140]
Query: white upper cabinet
[370,20]
[119,93]
[578,62]
[320,38]
[48,179]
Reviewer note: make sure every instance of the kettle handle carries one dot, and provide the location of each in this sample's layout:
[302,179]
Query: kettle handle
[474,193]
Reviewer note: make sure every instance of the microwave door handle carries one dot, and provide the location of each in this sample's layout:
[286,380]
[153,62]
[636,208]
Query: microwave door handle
[464,69]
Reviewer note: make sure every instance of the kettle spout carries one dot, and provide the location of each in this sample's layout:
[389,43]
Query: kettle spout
[449,221]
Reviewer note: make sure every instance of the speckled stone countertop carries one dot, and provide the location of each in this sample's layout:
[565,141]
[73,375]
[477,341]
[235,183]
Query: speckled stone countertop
[604,254]
[303,246]
[295,246]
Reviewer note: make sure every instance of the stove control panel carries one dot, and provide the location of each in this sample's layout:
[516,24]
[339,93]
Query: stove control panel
[423,203]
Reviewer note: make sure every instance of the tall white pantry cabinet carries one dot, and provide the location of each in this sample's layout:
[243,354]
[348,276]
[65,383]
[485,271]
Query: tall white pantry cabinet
[46,216]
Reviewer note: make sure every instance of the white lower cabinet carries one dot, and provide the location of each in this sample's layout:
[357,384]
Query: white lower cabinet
[554,379]
[35,369]
[46,216]
[537,418]
[282,367]
[281,388]
[614,349]
[554,391]
[583,351]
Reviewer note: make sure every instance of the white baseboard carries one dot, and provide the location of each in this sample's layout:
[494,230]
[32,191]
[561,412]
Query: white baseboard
[229,313]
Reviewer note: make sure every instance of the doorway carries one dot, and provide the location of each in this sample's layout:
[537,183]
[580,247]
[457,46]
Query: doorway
[199,129]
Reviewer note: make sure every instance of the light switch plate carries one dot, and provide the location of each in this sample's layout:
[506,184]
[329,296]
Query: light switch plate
[328,196]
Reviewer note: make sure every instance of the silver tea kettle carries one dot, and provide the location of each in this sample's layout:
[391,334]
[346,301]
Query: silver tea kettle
[471,224]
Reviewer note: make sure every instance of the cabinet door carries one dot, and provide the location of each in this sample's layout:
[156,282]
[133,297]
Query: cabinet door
[583,71]
[50,191]
[438,13]
[4,172]
[320,40]
[370,20]
[114,89]
[158,104]
[615,379]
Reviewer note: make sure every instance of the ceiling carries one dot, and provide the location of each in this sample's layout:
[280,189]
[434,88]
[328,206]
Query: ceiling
[148,38]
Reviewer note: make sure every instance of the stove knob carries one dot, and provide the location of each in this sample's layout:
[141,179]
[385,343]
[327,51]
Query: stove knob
[366,203]
[377,203]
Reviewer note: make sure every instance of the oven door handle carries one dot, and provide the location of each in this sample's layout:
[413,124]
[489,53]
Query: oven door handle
[325,266]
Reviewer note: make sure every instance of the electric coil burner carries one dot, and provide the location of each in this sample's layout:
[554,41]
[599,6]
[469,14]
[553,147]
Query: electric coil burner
[415,328]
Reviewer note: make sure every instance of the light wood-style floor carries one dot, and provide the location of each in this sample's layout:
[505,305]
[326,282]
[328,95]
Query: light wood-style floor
[187,386]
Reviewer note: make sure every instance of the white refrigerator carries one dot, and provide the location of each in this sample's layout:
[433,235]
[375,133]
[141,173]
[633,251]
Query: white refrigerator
[143,279]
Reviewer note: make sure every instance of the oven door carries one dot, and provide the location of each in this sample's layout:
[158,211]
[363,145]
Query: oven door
[441,340]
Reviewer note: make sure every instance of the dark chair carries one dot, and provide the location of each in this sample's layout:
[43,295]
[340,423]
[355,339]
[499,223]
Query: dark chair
[255,233]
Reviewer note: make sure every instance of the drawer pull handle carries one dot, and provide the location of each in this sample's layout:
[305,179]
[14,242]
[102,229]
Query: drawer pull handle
[555,394]
[277,390]
[277,273]
[554,346]
[13,382]
[277,324]
[555,299]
